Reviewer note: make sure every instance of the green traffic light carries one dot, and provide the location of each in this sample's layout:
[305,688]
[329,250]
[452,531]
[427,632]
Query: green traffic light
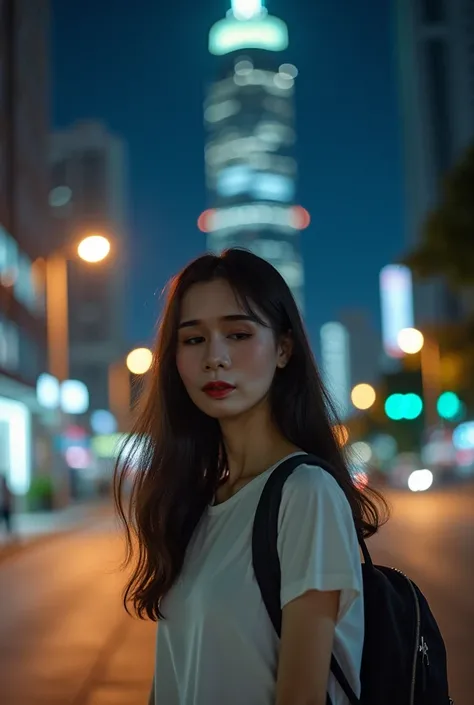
[413,406]
[394,407]
[403,406]
[449,405]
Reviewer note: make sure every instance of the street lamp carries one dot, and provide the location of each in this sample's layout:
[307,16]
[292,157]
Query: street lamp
[92,249]
[412,341]
[121,396]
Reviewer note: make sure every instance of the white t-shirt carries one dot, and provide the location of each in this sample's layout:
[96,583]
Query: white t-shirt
[217,644]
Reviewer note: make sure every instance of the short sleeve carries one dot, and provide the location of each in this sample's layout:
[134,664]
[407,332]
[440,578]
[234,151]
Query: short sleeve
[317,540]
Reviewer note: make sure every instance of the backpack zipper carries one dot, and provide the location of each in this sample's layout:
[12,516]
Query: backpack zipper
[417,636]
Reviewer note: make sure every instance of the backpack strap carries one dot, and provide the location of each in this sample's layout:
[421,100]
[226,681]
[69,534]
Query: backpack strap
[266,562]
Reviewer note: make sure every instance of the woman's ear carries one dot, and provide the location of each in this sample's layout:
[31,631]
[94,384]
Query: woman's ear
[285,350]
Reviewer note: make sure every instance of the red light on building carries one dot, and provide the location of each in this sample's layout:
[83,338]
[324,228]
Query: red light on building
[203,220]
[301,218]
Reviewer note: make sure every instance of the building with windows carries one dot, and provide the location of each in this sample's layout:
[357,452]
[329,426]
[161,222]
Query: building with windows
[88,195]
[249,118]
[435,41]
[336,365]
[365,346]
[24,227]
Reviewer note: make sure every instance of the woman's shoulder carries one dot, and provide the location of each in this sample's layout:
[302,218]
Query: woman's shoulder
[312,491]
[313,480]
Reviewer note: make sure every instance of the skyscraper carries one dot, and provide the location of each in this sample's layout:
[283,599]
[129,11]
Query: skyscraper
[88,178]
[436,73]
[249,117]
[24,227]
[336,365]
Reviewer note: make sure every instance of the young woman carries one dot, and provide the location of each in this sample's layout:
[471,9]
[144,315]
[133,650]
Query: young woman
[234,390]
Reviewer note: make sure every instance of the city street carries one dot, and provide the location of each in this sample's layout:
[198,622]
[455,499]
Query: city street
[65,640]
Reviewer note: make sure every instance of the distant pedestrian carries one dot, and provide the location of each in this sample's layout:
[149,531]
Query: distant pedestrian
[6,505]
[234,392]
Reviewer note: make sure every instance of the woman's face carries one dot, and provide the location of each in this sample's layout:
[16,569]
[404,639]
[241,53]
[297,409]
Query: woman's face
[226,359]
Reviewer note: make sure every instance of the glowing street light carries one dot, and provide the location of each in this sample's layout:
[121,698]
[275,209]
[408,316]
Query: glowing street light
[94,248]
[139,361]
[410,341]
[363,396]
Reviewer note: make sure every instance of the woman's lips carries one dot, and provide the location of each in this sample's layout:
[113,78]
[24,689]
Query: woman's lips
[218,390]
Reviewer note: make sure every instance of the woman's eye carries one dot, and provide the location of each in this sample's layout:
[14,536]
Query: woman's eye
[240,336]
[193,341]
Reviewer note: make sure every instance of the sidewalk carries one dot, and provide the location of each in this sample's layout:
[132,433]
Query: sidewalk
[31,528]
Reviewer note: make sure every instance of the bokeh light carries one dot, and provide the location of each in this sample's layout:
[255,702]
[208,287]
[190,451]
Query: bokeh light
[448,405]
[341,434]
[420,480]
[301,218]
[363,396]
[410,341]
[139,361]
[361,451]
[94,248]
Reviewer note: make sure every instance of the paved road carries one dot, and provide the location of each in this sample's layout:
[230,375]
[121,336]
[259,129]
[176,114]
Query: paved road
[64,639]
[431,538]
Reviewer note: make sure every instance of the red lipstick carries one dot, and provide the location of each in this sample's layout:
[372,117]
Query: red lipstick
[218,390]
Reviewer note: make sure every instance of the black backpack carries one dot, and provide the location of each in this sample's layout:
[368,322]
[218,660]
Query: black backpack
[404,657]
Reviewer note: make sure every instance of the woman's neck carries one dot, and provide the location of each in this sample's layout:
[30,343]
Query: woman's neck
[253,443]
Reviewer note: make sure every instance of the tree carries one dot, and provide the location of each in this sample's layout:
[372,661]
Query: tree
[447,244]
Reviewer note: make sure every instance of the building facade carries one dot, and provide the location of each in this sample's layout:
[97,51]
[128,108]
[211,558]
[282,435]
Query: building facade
[24,226]
[336,365]
[88,195]
[435,40]
[249,118]
[365,347]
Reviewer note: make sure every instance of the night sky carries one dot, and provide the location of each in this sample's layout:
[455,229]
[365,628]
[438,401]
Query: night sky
[142,67]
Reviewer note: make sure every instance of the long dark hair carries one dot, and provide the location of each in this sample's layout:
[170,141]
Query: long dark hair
[179,449]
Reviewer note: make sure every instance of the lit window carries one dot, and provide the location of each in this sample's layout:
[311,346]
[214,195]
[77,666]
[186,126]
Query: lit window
[273,187]
[251,215]
[272,249]
[243,67]
[269,33]
[289,70]
[281,80]
[292,273]
[278,105]
[234,180]
[221,111]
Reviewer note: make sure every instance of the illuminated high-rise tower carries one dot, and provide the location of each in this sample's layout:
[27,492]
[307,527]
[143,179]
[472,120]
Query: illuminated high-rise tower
[249,117]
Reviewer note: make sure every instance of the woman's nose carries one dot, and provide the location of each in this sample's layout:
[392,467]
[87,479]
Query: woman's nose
[217,356]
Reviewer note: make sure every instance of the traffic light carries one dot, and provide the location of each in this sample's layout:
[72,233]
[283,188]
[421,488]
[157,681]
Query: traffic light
[449,405]
[399,407]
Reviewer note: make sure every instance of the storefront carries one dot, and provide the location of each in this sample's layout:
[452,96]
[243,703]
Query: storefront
[20,417]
